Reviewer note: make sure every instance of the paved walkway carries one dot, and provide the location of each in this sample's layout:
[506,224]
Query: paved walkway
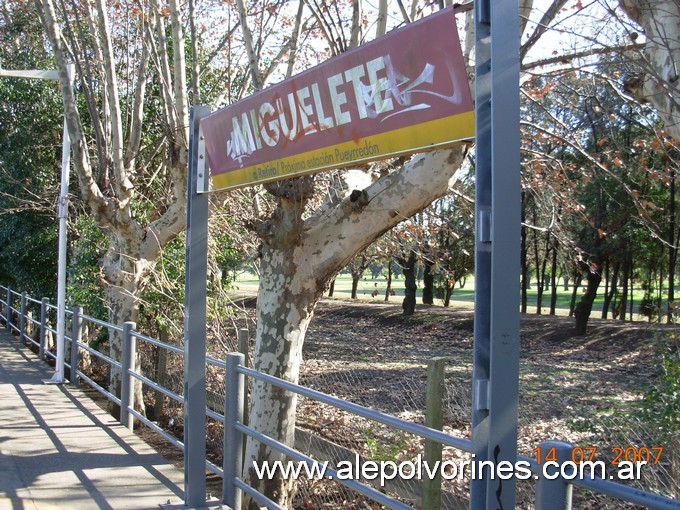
[59,450]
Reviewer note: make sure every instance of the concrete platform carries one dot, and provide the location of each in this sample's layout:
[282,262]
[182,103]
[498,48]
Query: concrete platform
[59,450]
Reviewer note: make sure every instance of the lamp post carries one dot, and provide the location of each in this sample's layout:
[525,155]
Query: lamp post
[62,213]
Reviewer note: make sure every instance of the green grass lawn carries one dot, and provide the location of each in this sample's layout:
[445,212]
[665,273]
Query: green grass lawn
[462,297]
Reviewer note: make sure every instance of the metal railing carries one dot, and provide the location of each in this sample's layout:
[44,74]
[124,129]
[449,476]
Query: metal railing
[75,347]
[553,489]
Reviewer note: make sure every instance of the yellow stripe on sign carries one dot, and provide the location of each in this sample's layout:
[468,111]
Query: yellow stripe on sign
[430,135]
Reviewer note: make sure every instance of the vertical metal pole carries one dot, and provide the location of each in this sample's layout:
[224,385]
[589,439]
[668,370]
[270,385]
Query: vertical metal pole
[195,318]
[62,212]
[554,494]
[243,349]
[43,326]
[22,318]
[8,316]
[127,384]
[161,368]
[496,348]
[76,337]
[233,439]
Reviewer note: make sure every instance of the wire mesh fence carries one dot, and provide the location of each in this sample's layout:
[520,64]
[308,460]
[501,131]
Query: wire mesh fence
[587,400]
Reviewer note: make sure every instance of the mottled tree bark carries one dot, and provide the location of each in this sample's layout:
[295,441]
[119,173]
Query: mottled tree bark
[660,20]
[295,275]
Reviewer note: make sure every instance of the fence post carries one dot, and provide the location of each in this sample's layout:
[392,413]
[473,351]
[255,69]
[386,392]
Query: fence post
[553,494]
[233,439]
[43,327]
[76,337]
[22,318]
[127,385]
[161,367]
[243,344]
[434,418]
[243,349]
[8,316]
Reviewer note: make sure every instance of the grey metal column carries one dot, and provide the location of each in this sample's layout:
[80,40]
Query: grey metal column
[194,321]
[127,384]
[497,249]
[232,463]
[43,327]
[555,493]
[76,338]
[22,317]
[8,312]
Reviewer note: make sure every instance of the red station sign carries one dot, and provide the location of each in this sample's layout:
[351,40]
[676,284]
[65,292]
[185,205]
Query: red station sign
[403,93]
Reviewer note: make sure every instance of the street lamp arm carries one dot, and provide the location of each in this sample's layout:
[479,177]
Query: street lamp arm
[39,75]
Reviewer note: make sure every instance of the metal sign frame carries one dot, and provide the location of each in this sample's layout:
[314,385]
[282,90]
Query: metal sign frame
[389,97]
[495,376]
[195,298]
[497,217]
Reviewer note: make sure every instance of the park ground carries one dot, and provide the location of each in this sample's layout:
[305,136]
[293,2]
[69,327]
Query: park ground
[462,298]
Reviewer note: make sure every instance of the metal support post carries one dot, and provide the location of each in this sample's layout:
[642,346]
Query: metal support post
[242,337]
[161,369]
[195,318]
[497,250]
[556,493]
[8,314]
[43,327]
[22,318]
[233,439]
[62,213]
[127,382]
[76,338]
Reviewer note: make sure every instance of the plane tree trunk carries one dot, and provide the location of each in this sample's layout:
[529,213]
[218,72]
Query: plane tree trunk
[105,155]
[660,20]
[294,277]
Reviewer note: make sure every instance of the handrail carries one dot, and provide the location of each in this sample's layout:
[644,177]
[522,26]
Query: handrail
[627,493]
[100,355]
[157,387]
[361,488]
[32,300]
[157,429]
[232,449]
[365,412]
[216,362]
[548,490]
[102,323]
[158,343]
[547,500]
[97,387]
[603,486]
